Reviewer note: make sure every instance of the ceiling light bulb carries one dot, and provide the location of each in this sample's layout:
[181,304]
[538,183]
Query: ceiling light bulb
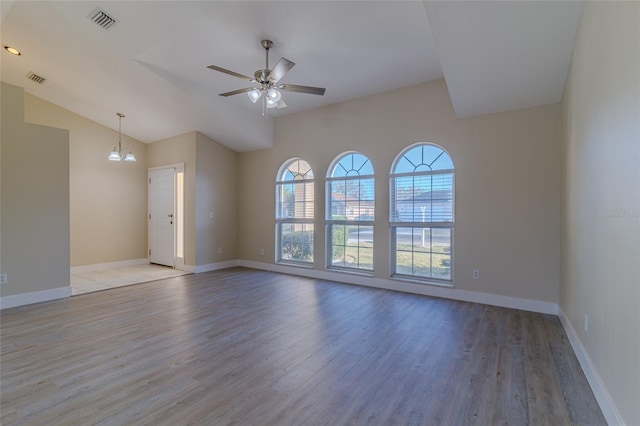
[254,95]
[274,94]
[12,50]
[130,157]
[271,103]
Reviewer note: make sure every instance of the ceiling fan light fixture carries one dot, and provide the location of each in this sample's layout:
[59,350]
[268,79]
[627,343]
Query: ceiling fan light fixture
[254,95]
[271,103]
[130,157]
[274,94]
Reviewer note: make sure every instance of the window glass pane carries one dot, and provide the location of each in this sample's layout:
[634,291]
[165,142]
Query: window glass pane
[423,158]
[442,163]
[430,154]
[414,156]
[422,240]
[296,170]
[404,251]
[352,164]
[351,246]
[422,198]
[423,252]
[441,240]
[296,242]
[366,169]
[295,200]
[339,171]
[422,264]
[351,199]
[404,166]
[442,266]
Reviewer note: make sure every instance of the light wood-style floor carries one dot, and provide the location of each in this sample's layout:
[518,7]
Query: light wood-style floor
[248,347]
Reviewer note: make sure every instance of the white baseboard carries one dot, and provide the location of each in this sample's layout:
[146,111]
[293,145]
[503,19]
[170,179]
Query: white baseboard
[111,265]
[609,410]
[409,287]
[215,266]
[34,297]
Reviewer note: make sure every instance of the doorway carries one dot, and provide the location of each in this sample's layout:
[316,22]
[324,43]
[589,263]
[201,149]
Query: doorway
[166,213]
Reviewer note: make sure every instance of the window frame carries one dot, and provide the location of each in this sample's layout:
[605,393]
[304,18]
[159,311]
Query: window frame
[280,221]
[330,223]
[395,223]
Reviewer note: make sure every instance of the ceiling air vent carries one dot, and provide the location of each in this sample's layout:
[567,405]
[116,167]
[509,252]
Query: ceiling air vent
[101,18]
[36,78]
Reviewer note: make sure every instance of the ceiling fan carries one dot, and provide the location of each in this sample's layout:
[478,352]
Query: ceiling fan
[268,82]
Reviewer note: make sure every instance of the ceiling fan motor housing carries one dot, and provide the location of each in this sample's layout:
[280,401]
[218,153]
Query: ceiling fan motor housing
[262,76]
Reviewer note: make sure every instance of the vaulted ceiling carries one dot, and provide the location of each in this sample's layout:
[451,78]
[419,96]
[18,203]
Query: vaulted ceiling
[151,64]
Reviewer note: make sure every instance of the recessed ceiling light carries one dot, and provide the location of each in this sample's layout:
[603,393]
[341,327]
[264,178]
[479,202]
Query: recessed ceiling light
[12,50]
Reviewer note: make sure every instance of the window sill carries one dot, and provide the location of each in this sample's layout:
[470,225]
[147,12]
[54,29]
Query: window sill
[296,264]
[422,281]
[350,271]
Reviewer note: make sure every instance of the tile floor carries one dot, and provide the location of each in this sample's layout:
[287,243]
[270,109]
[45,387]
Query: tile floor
[88,282]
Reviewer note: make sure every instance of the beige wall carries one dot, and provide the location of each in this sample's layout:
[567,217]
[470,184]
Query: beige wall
[210,180]
[217,193]
[601,237]
[181,149]
[508,182]
[35,201]
[108,200]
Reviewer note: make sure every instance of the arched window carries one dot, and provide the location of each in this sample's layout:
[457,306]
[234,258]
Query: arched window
[350,210]
[294,212]
[422,213]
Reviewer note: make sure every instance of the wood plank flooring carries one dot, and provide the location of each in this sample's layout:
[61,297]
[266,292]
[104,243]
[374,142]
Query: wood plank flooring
[247,347]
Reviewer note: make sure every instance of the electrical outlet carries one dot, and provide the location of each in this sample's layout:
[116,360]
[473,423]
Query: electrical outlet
[3,278]
[586,323]
[261,252]
[219,250]
[476,274]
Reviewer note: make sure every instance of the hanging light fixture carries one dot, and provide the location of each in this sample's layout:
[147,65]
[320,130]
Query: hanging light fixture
[116,154]
[254,95]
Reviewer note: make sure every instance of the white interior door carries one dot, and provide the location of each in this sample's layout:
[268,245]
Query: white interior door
[162,216]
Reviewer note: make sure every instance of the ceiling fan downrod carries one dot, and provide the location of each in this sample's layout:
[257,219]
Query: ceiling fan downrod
[262,76]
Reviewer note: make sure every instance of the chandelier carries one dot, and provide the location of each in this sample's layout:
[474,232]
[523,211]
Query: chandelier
[117,154]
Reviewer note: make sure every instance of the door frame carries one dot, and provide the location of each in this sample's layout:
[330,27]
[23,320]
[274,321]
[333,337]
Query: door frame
[178,211]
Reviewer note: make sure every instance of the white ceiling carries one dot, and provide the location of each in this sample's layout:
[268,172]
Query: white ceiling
[151,65]
[504,55]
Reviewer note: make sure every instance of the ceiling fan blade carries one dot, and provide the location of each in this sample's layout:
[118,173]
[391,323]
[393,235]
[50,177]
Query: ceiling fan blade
[303,89]
[282,67]
[233,73]
[236,92]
